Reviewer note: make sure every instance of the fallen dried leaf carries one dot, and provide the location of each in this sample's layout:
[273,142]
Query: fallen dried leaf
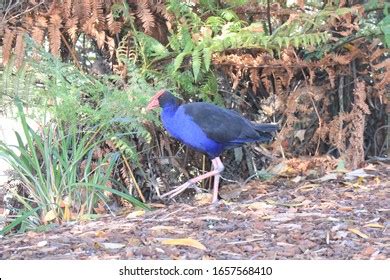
[307,187]
[212,218]
[231,191]
[358,232]
[51,215]
[160,250]
[157,205]
[374,226]
[328,177]
[184,242]
[258,205]
[300,134]
[162,228]
[368,251]
[113,246]
[100,233]
[135,214]
[279,168]
[341,234]
[370,167]
[358,173]
[202,199]
[42,243]
[283,217]
[297,179]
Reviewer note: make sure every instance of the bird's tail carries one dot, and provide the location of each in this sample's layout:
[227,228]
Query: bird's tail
[266,127]
[265,131]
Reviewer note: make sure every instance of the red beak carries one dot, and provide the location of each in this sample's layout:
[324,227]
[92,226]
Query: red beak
[153,104]
[154,101]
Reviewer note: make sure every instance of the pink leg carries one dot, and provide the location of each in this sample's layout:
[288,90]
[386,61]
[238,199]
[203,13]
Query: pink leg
[217,166]
[217,169]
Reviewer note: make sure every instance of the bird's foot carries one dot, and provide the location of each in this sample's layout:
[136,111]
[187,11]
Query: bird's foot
[177,190]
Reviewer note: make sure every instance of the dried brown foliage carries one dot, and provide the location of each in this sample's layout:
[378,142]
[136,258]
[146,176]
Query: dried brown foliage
[325,104]
[62,22]
[330,105]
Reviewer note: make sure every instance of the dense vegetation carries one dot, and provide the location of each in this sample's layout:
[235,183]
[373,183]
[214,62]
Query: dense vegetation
[84,70]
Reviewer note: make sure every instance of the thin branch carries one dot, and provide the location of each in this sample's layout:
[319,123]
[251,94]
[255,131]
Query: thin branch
[72,52]
[3,21]
[133,179]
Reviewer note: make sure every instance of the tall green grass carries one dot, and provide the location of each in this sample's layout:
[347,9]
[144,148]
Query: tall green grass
[59,173]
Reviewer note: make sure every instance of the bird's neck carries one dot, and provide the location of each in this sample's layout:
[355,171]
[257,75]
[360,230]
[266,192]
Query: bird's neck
[169,109]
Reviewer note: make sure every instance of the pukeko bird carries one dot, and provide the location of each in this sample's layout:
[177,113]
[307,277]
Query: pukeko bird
[209,129]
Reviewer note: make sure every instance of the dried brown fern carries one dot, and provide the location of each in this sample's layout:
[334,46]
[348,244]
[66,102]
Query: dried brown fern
[19,46]
[64,21]
[98,14]
[145,15]
[71,27]
[114,26]
[82,10]
[67,9]
[8,41]
[158,7]
[355,150]
[54,33]
[39,29]
[336,132]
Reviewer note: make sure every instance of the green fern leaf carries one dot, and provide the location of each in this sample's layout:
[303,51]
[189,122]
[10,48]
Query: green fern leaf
[229,15]
[207,53]
[226,43]
[296,42]
[264,41]
[318,39]
[196,63]
[174,42]
[324,37]
[305,41]
[279,41]
[179,60]
[215,22]
[152,47]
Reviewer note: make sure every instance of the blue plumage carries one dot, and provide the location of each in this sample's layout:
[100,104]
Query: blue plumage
[182,127]
[209,129]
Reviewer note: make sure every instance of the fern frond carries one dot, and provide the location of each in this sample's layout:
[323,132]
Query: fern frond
[55,34]
[179,60]
[8,40]
[82,10]
[98,13]
[38,30]
[72,28]
[19,47]
[151,47]
[207,54]
[124,147]
[67,9]
[145,15]
[215,23]
[113,26]
[160,8]
[196,63]
[229,15]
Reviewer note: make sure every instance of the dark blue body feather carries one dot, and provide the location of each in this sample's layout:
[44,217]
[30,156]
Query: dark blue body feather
[183,128]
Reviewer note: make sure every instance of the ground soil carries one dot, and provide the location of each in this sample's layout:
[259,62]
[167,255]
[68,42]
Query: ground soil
[277,219]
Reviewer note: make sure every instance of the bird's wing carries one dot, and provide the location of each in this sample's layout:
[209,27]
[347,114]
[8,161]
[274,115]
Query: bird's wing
[219,124]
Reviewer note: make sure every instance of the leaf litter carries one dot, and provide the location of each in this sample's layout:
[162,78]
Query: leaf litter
[282,218]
